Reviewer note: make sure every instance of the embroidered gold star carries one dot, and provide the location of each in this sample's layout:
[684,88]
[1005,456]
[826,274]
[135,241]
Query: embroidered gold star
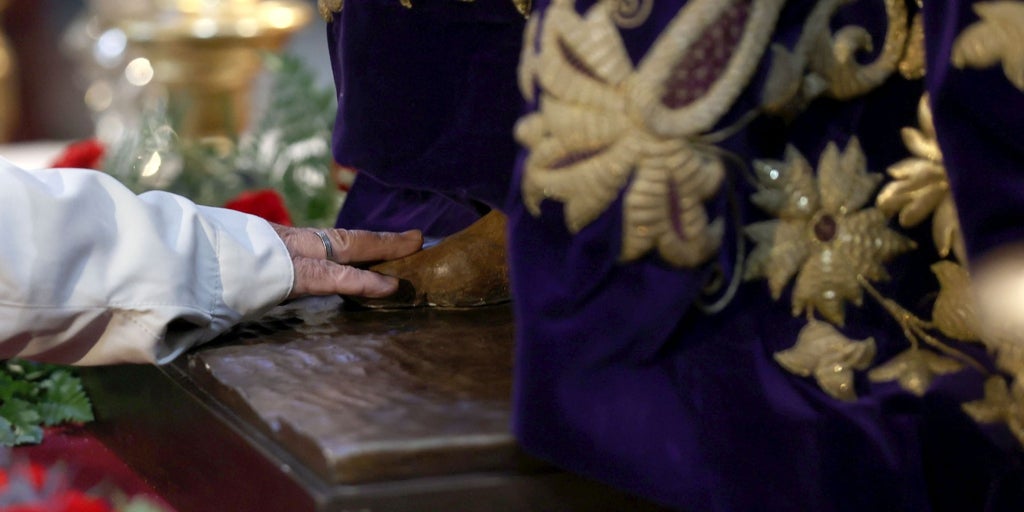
[823,235]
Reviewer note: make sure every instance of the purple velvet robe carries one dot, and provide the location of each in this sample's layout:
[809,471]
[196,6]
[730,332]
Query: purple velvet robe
[618,377]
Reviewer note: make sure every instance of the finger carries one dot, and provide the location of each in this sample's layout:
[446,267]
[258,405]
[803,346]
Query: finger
[321,277]
[356,246]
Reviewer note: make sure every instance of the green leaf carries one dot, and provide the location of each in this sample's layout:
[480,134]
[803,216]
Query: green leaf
[22,421]
[35,394]
[64,400]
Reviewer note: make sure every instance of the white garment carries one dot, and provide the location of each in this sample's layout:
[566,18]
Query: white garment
[92,274]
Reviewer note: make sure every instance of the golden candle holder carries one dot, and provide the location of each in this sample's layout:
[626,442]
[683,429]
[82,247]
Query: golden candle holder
[8,89]
[206,54]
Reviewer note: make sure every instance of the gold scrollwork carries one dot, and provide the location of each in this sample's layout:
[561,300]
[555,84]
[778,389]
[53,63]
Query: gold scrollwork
[631,13]
[823,62]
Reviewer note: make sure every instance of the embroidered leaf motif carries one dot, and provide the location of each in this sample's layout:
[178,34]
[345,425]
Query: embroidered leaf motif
[823,235]
[664,209]
[786,189]
[920,187]
[995,407]
[954,312]
[946,231]
[1000,405]
[602,125]
[915,369]
[997,38]
[823,352]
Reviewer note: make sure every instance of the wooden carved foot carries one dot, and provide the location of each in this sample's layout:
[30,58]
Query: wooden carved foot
[469,268]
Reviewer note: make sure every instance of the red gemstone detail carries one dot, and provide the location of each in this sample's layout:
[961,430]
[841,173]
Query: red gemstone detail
[825,228]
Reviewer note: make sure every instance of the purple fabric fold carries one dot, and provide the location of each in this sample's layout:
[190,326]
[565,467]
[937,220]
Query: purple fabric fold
[617,376]
[428,96]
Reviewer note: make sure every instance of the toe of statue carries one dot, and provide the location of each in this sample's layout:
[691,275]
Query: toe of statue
[466,269]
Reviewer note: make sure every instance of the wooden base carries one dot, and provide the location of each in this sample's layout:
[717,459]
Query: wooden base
[312,410]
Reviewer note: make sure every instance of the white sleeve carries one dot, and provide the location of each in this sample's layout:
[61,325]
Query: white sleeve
[92,274]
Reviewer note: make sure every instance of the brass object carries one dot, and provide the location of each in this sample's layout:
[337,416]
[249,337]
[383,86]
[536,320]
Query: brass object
[207,54]
[8,91]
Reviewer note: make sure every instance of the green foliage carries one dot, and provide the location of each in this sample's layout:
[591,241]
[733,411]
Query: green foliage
[287,149]
[33,395]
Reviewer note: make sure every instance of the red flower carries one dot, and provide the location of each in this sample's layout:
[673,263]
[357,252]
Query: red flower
[74,501]
[84,154]
[266,203]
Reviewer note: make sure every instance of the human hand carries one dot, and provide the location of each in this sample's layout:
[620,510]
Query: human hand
[316,275]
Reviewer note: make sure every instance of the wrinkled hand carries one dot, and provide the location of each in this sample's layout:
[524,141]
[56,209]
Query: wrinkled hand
[315,275]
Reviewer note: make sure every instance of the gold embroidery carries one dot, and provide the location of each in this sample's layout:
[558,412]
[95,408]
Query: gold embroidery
[912,65]
[834,56]
[836,248]
[915,369]
[523,6]
[822,232]
[998,37]
[830,60]
[920,187]
[327,8]
[602,123]
[954,312]
[631,13]
[830,357]
[1000,405]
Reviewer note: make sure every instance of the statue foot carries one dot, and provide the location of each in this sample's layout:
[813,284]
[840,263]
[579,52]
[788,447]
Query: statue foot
[466,269]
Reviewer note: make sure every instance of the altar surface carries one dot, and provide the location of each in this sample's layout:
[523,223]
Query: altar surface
[320,408]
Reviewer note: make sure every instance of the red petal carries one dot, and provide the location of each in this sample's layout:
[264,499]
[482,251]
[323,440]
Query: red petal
[84,154]
[266,203]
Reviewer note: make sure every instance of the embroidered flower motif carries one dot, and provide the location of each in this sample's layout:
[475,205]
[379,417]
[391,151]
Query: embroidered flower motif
[823,352]
[997,38]
[921,187]
[915,369]
[603,124]
[822,235]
